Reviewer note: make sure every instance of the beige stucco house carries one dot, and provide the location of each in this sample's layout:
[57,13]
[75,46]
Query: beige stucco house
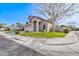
[37,24]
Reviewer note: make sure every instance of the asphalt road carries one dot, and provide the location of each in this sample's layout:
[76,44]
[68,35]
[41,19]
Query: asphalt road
[11,48]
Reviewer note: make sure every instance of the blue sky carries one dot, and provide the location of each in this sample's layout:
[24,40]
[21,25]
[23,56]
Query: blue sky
[19,12]
[12,13]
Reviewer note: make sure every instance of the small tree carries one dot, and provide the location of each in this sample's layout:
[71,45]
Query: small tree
[62,25]
[18,24]
[56,12]
[26,23]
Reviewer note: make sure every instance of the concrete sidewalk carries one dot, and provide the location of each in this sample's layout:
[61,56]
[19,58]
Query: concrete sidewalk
[56,47]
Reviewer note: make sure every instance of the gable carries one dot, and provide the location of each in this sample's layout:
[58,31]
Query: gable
[36,18]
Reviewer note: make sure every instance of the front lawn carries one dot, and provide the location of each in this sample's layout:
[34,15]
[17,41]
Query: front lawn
[44,34]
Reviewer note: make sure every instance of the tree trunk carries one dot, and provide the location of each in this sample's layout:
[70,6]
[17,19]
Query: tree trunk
[53,24]
[53,27]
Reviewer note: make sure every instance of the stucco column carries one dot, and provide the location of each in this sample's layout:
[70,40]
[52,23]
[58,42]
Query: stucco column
[37,26]
[32,26]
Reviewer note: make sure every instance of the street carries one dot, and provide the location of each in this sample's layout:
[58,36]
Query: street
[11,48]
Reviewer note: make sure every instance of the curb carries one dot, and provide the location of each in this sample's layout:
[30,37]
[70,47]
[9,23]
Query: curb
[74,37]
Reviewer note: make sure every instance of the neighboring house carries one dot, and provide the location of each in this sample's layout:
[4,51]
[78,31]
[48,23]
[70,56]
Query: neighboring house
[15,27]
[4,27]
[7,28]
[28,27]
[37,24]
[60,29]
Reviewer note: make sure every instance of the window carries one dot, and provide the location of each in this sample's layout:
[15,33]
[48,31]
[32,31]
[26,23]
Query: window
[44,26]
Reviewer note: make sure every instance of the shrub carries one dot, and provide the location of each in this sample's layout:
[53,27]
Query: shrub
[66,30]
[51,30]
[44,30]
[17,32]
[26,31]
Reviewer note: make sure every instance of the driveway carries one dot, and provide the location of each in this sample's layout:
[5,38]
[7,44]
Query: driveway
[11,48]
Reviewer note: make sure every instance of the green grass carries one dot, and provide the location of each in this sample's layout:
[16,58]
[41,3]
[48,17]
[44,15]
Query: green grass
[44,34]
